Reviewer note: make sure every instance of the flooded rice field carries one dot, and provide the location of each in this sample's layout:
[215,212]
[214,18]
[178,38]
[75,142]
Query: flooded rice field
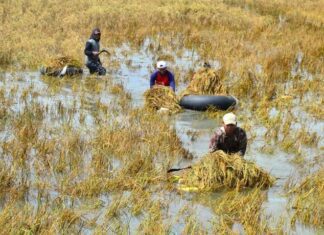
[82,154]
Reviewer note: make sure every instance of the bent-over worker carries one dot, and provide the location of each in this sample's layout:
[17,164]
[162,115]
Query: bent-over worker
[162,76]
[230,138]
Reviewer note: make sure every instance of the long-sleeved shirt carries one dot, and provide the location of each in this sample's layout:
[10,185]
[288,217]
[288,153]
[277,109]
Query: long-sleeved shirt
[235,143]
[91,46]
[166,79]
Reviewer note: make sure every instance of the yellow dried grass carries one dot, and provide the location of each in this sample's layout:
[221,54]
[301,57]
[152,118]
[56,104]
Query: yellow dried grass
[308,203]
[206,81]
[218,170]
[162,97]
[62,61]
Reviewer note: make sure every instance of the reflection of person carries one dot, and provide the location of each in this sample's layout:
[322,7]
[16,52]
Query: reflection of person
[91,50]
[162,76]
[230,138]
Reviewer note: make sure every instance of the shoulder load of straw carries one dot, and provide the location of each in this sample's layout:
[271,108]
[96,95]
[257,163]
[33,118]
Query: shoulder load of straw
[219,170]
[206,81]
[162,97]
[55,65]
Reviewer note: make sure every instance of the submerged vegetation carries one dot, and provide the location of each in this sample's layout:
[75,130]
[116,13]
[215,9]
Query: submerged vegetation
[307,204]
[47,167]
[77,155]
[241,208]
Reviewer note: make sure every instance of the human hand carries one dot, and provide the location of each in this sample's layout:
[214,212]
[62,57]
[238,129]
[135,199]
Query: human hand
[95,53]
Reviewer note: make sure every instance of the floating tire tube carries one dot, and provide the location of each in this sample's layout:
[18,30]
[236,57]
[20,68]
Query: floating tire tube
[65,71]
[203,102]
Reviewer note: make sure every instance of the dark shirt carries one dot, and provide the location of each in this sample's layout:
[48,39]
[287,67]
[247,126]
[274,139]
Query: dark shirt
[91,46]
[229,144]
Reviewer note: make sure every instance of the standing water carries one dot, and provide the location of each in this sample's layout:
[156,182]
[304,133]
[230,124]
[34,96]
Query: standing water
[192,127]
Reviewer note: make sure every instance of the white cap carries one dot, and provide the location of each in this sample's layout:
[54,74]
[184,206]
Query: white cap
[161,64]
[229,118]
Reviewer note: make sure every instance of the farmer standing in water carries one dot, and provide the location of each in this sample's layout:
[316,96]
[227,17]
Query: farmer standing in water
[162,76]
[230,138]
[92,49]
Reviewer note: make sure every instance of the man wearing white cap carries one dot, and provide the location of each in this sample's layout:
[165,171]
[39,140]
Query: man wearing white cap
[230,138]
[162,76]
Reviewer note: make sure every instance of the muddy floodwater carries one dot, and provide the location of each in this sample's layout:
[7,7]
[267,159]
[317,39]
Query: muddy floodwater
[132,69]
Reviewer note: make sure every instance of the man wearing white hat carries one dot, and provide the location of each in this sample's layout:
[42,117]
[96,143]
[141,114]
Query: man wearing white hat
[230,138]
[162,76]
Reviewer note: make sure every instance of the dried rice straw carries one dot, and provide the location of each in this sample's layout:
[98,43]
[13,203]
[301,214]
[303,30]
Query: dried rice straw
[162,97]
[206,81]
[218,170]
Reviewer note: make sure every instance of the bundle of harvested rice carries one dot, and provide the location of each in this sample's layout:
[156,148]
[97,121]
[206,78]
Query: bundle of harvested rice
[309,198]
[218,170]
[206,81]
[60,62]
[162,97]
[54,66]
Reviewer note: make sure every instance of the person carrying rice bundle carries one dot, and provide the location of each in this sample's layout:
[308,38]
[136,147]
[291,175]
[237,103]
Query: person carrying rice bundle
[230,138]
[92,51]
[162,76]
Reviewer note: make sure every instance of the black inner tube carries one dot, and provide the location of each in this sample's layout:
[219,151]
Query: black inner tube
[203,102]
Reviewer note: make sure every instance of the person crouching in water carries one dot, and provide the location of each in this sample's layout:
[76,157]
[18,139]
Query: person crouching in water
[91,51]
[230,138]
[162,76]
